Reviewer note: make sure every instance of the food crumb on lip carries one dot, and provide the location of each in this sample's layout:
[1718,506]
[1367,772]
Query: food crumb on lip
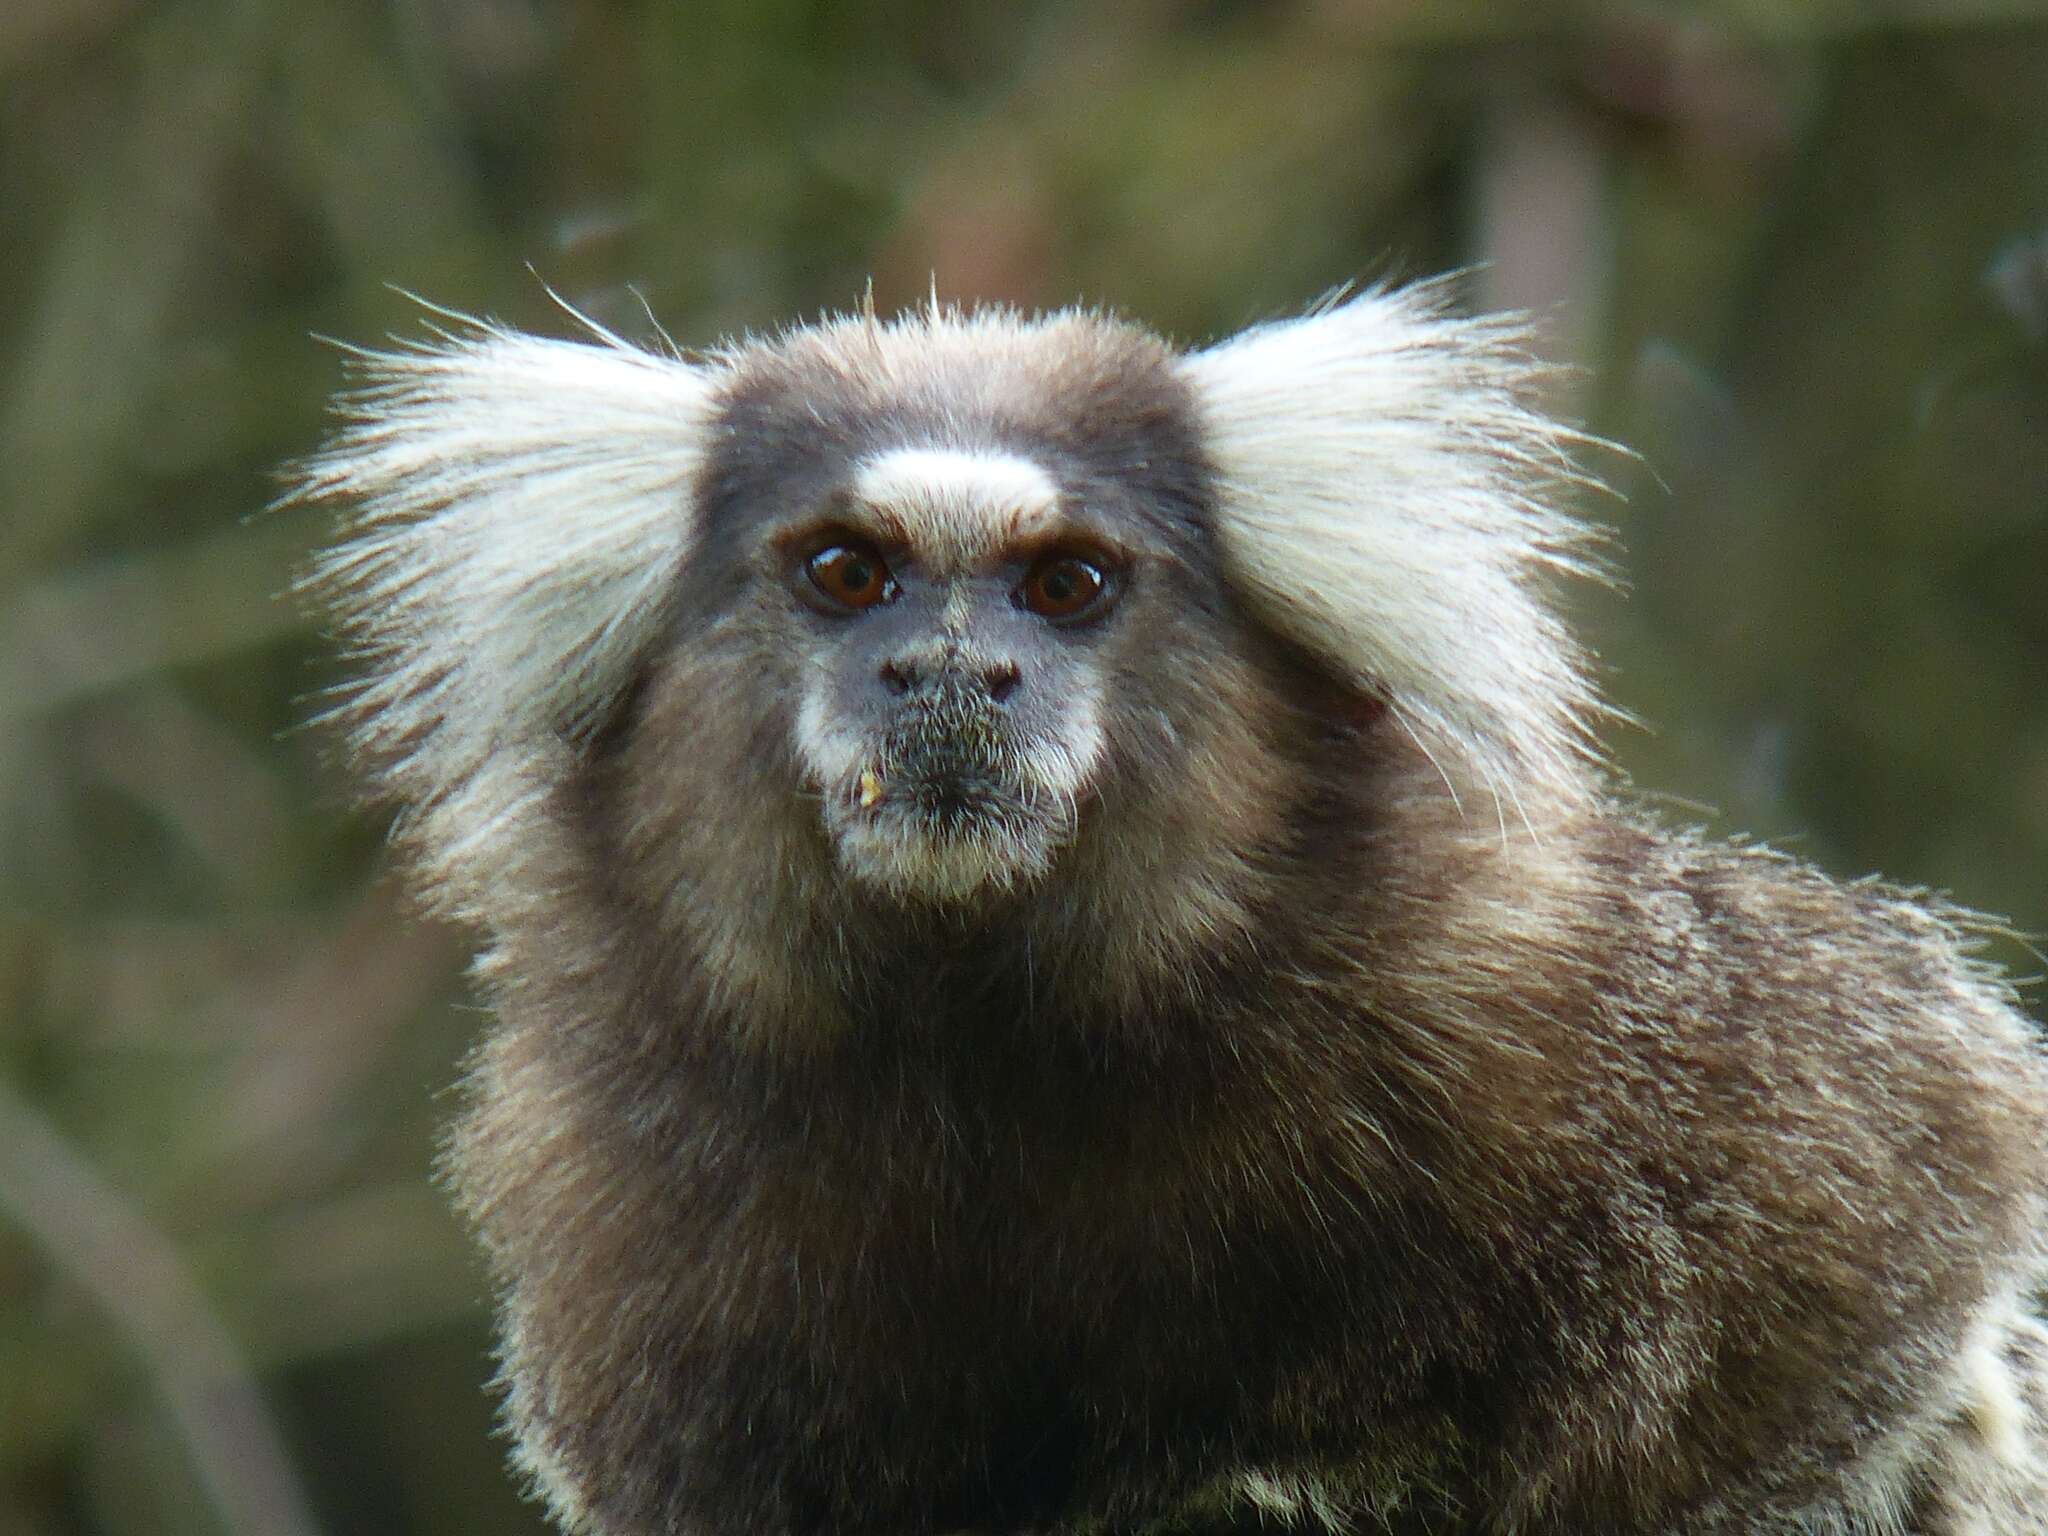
[869,788]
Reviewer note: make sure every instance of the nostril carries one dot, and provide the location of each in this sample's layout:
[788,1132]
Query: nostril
[898,677]
[1001,680]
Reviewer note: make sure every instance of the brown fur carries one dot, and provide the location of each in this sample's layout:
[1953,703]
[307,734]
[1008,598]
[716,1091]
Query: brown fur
[1302,1148]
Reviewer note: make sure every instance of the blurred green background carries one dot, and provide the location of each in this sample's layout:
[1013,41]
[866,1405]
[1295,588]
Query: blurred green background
[1798,253]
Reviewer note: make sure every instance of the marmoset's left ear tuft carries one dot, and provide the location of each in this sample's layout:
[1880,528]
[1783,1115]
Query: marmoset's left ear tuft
[1383,481]
[517,510]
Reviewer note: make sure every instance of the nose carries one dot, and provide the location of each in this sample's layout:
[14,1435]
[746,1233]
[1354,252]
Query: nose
[908,672]
[1000,679]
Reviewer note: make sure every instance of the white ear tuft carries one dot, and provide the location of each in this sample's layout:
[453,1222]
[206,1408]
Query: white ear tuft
[519,509]
[1382,479]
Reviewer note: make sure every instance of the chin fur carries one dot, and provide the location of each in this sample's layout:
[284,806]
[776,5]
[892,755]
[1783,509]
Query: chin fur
[917,856]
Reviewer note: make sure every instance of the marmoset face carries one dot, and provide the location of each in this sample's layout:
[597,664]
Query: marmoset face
[951,611]
[947,589]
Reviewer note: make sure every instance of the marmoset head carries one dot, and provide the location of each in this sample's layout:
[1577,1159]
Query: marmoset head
[931,603]
[941,555]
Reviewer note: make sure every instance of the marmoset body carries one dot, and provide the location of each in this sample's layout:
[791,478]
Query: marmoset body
[1062,962]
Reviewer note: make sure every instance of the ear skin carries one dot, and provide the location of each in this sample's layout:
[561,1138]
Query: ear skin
[1303,1147]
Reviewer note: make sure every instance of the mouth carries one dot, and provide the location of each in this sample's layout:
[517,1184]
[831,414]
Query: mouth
[947,833]
[948,796]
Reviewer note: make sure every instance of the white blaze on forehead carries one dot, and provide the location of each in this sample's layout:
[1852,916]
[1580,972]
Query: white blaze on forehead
[955,506]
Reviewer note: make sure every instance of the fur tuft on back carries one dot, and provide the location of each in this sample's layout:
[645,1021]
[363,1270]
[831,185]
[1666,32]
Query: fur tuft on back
[1383,485]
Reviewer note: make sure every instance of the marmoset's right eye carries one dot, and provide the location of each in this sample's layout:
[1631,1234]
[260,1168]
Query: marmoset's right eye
[851,574]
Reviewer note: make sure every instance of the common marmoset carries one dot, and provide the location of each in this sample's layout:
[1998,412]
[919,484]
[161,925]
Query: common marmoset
[1062,962]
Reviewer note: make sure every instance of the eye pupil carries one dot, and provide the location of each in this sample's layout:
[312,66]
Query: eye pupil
[1063,587]
[852,577]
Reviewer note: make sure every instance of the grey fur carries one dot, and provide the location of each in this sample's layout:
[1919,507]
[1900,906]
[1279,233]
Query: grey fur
[1150,1093]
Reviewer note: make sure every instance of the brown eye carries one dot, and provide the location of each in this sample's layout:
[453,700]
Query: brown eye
[1063,587]
[851,574]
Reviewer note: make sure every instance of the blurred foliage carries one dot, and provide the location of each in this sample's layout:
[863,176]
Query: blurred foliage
[1798,253]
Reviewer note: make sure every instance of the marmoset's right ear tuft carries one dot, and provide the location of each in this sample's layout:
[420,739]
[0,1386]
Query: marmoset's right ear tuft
[518,508]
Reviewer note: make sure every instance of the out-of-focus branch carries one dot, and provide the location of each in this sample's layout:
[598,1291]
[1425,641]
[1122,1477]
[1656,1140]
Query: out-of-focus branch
[110,1251]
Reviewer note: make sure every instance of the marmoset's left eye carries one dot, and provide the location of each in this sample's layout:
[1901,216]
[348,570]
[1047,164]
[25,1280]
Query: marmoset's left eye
[1065,586]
